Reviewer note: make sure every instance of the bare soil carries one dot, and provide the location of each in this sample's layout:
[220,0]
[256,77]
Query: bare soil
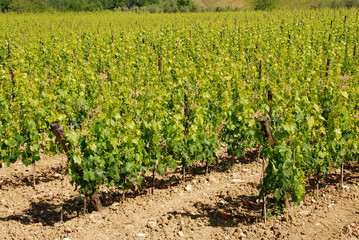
[222,205]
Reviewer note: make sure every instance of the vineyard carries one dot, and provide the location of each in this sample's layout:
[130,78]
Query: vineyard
[128,97]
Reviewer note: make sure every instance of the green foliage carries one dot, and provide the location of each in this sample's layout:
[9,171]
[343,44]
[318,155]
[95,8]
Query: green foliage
[95,5]
[98,75]
[4,5]
[264,5]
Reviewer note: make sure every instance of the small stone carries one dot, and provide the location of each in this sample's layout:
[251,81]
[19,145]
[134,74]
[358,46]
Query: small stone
[67,230]
[212,179]
[222,201]
[238,180]
[29,219]
[180,233]
[304,212]
[188,188]
[151,224]
[200,224]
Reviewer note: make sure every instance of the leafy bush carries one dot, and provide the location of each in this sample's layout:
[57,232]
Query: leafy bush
[264,5]
[4,5]
[351,3]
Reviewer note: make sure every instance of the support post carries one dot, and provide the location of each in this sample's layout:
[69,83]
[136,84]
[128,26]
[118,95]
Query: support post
[327,68]
[355,50]
[159,62]
[186,113]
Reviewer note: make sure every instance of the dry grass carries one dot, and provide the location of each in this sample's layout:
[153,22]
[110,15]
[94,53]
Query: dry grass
[281,4]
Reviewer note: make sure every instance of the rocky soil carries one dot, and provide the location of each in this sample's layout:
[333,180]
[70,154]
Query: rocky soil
[222,205]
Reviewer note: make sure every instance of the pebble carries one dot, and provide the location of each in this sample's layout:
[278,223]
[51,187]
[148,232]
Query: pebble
[212,179]
[242,234]
[151,224]
[238,180]
[304,212]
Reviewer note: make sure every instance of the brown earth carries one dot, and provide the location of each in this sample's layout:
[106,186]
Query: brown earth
[223,205]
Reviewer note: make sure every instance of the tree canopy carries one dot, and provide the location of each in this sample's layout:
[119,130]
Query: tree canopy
[83,5]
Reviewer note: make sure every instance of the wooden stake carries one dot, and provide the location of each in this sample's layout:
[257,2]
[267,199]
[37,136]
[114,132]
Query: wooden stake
[85,205]
[135,95]
[270,98]
[355,50]
[159,62]
[153,176]
[33,173]
[62,192]
[207,168]
[8,49]
[317,195]
[327,68]
[186,113]
[12,80]
[342,175]
[289,38]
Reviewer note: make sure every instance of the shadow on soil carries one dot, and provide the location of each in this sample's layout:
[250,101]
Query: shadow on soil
[351,176]
[229,213]
[174,177]
[40,177]
[47,213]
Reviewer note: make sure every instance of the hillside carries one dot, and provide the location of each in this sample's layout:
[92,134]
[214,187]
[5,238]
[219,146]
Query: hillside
[280,4]
[224,3]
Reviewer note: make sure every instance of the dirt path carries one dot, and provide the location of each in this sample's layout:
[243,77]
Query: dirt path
[224,205]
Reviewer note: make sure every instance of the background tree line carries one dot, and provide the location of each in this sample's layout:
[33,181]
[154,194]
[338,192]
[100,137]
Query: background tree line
[162,5]
[95,5]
